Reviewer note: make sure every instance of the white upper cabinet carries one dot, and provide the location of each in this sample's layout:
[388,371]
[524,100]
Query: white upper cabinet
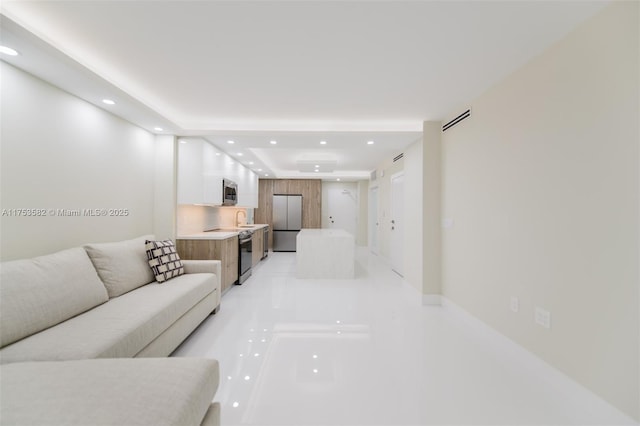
[201,169]
[212,174]
[247,188]
[190,169]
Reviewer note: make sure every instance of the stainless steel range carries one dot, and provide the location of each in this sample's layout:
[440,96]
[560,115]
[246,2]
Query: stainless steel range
[245,239]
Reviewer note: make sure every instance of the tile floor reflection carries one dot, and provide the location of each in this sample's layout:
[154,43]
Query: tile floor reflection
[365,352]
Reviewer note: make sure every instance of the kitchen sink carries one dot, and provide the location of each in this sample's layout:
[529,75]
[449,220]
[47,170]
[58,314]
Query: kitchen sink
[246,226]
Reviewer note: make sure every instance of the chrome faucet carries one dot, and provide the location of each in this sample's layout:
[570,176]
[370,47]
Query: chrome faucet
[238,218]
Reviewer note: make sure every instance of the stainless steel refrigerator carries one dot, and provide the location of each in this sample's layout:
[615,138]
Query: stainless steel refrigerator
[287,221]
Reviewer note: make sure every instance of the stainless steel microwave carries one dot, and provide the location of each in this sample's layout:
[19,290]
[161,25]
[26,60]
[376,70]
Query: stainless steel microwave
[229,193]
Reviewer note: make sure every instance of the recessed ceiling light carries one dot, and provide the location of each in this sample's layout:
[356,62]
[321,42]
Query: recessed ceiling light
[108,102]
[183,141]
[259,170]
[240,154]
[370,143]
[266,174]
[231,142]
[338,179]
[273,142]
[251,163]
[8,51]
[323,142]
[217,153]
[236,404]
[158,129]
[316,166]
[316,170]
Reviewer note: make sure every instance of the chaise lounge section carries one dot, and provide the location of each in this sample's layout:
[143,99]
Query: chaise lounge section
[71,321]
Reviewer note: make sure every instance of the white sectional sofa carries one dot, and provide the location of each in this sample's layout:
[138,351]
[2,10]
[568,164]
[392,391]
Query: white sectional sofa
[71,322]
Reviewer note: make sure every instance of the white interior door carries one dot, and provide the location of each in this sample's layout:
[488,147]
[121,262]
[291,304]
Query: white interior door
[395,223]
[342,208]
[374,226]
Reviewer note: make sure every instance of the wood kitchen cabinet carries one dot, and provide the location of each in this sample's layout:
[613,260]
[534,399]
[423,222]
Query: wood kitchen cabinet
[257,246]
[311,191]
[226,251]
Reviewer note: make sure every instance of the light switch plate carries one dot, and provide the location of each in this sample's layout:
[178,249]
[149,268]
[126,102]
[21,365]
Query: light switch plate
[515,304]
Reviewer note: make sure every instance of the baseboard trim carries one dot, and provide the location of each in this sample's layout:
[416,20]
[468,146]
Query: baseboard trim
[432,300]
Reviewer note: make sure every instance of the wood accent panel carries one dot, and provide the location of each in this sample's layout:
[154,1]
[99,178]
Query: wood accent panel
[257,246]
[263,213]
[311,190]
[231,254]
[281,186]
[226,251]
[311,203]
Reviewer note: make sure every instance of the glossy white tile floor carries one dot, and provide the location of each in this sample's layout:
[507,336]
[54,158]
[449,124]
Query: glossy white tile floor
[365,352]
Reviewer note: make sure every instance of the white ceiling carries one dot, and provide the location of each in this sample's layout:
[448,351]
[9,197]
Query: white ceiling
[296,72]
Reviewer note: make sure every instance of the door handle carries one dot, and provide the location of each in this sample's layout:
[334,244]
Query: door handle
[393,221]
[393,227]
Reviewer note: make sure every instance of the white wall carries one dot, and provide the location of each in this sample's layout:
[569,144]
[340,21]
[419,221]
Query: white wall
[59,152]
[542,183]
[413,215]
[164,207]
[432,212]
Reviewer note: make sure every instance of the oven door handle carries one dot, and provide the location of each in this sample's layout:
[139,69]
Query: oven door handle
[245,240]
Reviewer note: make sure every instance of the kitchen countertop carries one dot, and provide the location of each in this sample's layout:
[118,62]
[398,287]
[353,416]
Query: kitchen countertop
[218,235]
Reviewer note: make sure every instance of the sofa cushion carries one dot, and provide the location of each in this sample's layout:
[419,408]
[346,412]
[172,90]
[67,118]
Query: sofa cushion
[122,327]
[122,265]
[155,391]
[38,293]
[163,260]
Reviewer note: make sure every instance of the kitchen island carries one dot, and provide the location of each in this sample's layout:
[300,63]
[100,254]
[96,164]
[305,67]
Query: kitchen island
[325,253]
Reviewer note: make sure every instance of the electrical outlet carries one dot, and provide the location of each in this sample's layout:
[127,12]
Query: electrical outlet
[515,304]
[542,317]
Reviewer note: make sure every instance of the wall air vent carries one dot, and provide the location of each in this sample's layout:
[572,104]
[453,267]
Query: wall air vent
[397,157]
[456,120]
[373,175]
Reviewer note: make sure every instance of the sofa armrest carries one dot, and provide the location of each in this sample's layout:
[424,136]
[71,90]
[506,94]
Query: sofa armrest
[203,266]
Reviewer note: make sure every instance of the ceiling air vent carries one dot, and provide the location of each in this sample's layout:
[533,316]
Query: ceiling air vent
[456,120]
[397,157]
